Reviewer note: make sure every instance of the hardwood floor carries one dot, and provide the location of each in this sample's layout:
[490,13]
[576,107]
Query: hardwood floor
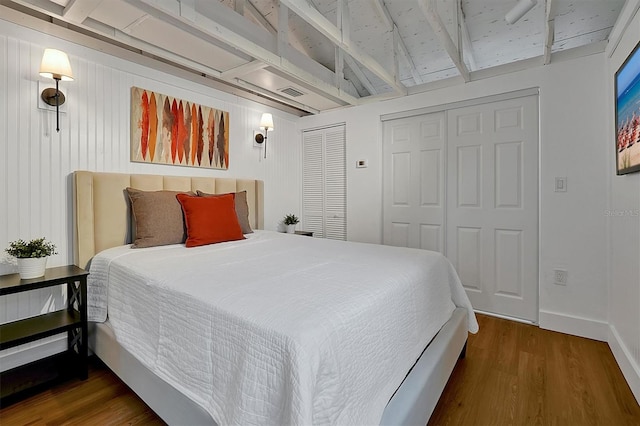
[518,374]
[102,399]
[514,374]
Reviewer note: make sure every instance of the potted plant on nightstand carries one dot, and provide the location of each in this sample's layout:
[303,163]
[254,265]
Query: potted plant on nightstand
[32,256]
[290,221]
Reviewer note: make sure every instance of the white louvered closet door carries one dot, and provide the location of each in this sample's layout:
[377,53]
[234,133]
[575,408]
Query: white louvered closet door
[324,182]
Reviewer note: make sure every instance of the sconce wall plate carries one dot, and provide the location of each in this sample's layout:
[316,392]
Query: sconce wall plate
[49,97]
[258,138]
[45,85]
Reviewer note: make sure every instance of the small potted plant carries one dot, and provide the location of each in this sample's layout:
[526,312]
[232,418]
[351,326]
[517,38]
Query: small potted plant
[290,221]
[32,256]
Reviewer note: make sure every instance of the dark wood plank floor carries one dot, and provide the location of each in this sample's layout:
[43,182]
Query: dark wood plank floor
[514,374]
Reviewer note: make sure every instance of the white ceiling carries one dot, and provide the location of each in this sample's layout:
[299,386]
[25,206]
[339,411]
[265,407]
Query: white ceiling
[335,52]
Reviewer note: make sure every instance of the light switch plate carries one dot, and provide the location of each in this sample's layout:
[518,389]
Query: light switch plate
[361,164]
[561,184]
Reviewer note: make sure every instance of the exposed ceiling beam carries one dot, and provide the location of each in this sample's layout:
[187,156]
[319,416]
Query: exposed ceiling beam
[269,94]
[342,20]
[231,28]
[341,17]
[311,15]
[435,22]
[132,26]
[353,65]
[406,56]
[241,70]
[249,7]
[188,9]
[242,6]
[398,41]
[159,52]
[550,12]
[394,53]
[79,10]
[339,65]
[107,44]
[239,6]
[467,47]
[283,34]
[384,14]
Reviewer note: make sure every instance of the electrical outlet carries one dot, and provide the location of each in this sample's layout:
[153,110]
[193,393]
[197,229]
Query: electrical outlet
[560,276]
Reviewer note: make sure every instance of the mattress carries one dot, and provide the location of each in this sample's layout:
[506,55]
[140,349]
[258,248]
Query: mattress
[277,328]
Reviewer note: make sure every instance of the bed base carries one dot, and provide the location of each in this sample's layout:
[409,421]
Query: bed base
[412,404]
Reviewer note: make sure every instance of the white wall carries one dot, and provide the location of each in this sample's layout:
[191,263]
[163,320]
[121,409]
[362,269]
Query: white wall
[574,137]
[624,240]
[36,162]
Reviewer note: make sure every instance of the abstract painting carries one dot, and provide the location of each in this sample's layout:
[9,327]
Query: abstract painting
[168,130]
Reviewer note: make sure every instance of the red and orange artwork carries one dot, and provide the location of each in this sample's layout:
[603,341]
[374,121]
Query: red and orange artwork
[153,126]
[211,133]
[200,136]
[194,133]
[144,125]
[169,130]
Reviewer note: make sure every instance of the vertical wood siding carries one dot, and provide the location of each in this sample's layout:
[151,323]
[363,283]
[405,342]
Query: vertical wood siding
[36,162]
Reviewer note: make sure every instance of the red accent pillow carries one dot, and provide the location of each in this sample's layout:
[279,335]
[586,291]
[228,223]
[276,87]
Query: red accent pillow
[210,220]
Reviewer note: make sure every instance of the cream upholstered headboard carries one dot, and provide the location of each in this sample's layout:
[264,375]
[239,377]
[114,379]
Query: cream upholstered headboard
[101,210]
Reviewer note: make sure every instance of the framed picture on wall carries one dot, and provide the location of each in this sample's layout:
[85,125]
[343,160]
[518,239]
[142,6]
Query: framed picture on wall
[627,93]
[168,130]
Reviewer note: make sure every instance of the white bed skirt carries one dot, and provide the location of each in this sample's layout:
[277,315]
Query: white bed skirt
[412,404]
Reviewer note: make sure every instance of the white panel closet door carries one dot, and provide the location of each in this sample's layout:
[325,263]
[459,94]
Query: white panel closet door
[492,204]
[414,182]
[324,182]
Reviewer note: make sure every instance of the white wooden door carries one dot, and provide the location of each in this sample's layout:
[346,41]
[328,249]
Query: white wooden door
[492,204]
[414,182]
[324,182]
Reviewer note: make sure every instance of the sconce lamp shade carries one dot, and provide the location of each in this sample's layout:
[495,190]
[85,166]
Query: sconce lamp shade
[55,64]
[266,122]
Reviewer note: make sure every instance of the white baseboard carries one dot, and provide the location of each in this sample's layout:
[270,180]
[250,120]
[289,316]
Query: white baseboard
[627,364]
[577,326]
[24,354]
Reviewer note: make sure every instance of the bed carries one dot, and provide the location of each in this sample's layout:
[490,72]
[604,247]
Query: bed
[345,301]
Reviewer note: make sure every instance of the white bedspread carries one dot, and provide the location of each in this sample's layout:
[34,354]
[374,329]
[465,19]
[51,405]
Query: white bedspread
[278,329]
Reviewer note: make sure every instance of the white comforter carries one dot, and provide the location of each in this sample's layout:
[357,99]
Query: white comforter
[278,329]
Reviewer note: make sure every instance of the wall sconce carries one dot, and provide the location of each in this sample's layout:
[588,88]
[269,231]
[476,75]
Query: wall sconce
[519,10]
[266,124]
[55,64]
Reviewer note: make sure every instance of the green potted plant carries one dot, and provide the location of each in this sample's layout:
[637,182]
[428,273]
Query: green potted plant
[290,221]
[32,256]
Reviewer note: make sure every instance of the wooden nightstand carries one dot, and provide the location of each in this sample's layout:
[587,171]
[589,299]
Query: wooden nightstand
[15,383]
[305,233]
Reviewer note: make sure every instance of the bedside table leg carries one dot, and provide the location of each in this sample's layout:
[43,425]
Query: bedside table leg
[83,349]
[77,337]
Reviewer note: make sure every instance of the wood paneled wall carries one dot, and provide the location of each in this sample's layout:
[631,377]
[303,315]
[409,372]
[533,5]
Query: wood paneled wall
[36,162]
